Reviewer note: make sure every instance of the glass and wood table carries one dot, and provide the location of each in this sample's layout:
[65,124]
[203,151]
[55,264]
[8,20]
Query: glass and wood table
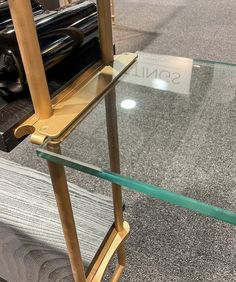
[174,120]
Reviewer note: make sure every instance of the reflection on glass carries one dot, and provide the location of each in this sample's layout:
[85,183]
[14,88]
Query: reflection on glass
[128,104]
[160,84]
[161,72]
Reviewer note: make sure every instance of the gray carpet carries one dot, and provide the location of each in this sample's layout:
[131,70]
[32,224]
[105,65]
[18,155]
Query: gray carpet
[168,243]
[32,246]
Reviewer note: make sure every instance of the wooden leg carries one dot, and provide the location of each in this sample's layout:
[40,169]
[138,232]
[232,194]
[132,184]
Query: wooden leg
[113,144]
[59,182]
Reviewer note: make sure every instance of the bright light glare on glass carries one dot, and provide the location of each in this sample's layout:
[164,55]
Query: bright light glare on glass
[128,104]
[159,84]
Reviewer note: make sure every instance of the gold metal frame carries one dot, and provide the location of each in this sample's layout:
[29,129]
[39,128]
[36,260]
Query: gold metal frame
[60,187]
[58,117]
[111,244]
[75,100]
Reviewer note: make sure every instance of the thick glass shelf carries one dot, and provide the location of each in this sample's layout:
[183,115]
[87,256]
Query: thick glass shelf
[176,121]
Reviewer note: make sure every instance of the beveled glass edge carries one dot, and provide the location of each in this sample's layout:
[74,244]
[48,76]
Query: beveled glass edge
[214,63]
[141,187]
[195,60]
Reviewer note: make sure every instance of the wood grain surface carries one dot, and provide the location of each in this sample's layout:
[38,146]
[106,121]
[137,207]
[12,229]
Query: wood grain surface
[32,246]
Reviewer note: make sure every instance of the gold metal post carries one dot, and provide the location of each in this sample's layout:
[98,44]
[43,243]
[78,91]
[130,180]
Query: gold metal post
[113,11]
[31,56]
[105,30]
[62,196]
[26,35]
[65,2]
[113,144]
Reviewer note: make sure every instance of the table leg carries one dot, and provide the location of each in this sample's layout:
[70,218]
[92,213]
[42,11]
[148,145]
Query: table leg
[112,11]
[60,187]
[105,31]
[113,144]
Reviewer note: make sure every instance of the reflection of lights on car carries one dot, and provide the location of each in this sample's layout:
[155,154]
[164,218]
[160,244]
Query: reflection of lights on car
[160,84]
[128,104]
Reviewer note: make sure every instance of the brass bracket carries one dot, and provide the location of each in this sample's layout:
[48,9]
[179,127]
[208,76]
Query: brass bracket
[108,250]
[76,100]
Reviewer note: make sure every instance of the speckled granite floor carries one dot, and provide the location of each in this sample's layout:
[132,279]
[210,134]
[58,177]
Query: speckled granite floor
[168,243]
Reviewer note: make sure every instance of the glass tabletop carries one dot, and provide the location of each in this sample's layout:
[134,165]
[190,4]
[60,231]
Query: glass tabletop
[177,130]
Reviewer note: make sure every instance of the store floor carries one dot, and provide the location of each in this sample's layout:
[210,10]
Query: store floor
[167,243]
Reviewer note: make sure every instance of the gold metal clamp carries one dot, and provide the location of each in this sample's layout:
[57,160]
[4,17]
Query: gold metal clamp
[75,101]
[58,117]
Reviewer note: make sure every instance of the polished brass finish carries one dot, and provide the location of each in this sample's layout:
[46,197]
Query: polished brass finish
[62,196]
[105,30]
[31,56]
[111,244]
[75,100]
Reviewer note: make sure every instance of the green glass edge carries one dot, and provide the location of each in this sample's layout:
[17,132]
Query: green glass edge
[148,189]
